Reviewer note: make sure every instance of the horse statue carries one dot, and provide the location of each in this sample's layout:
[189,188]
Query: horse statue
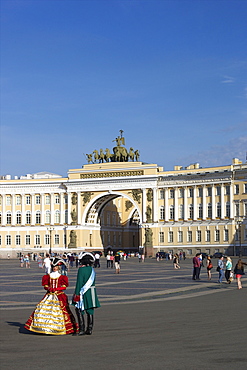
[137,155]
[101,156]
[131,154]
[120,154]
[96,155]
[108,155]
[89,158]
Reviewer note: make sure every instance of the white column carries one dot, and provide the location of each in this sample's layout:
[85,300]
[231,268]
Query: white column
[42,210]
[175,204]
[231,202]
[204,203]
[69,208]
[52,208]
[222,203]
[213,202]
[195,210]
[62,215]
[3,209]
[155,205]
[13,218]
[23,213]
[166,205]
[32,209]
[79,208]
[144,205]
[185,203]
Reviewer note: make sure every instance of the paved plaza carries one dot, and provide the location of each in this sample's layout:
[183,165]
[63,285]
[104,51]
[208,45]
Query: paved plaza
[152,317]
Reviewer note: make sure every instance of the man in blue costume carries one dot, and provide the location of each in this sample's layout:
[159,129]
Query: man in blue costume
[85,297]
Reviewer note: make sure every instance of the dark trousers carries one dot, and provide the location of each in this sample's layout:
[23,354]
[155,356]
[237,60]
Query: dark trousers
[196,273]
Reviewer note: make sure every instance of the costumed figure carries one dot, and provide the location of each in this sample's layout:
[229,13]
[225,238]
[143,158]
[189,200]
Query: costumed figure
[85,298]
[52,315]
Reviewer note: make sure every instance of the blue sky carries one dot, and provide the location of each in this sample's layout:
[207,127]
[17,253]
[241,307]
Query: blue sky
[171,74]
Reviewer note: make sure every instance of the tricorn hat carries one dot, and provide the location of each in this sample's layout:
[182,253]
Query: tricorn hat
[55,261]
[86,256]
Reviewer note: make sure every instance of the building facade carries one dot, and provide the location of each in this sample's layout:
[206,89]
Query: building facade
[128,206]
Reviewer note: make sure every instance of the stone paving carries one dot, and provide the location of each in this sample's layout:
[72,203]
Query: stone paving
[152,317]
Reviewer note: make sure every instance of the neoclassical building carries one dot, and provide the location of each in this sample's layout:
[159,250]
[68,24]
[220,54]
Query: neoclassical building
[124,204]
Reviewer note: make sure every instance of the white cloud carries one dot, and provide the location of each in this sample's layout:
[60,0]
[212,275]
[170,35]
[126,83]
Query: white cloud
[228,80]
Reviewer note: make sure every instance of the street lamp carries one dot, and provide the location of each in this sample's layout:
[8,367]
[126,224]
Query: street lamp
[239,223]
[50,229]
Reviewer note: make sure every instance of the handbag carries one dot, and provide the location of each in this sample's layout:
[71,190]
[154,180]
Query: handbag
[210,266]
[218,269]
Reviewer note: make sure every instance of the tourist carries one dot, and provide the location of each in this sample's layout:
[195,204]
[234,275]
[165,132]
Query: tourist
[239,272]
[228,269]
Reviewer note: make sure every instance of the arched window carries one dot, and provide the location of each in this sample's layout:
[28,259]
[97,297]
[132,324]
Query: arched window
[181,211]
[47,217]
[209,210]
[38,218]
[200,210]
[218,210]
[28,217]
[191,211]
[18,218]
[162,213]
[8,218]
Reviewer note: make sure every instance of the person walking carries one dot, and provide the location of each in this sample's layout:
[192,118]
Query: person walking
[176,261]
[85,297]
[228,269]
[47,264]
[40,261]
[117,263]
[239,272]
[220,269]
[209,267]
[52,315]
[196,267]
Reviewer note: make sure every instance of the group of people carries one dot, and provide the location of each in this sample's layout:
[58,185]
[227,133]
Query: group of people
[52,315]
[223,268]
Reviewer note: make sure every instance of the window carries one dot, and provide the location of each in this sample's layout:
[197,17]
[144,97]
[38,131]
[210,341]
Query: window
[217,235]
[198,236]
[245,209]
[218,210]
[172,193]
[8,200]
[8,218]
[37,199]
[236,189]
[209,210]
[190,192]
[191,211]
[189,236]
[181,211]
[57,217]
[172,212]
[180,237]
[18,200]
[228,209]
[18,218]
[0,218]
[170,237]
[8,239]
[162,194]
[181,193]
[245,188]
[38,217]
[57,199]
[47,239]
[48,199]
[28,240]
[17,240]
[56,239]
[227,190]
[0,239]
[209,190]
[28,199]
[47,217]
[37,239]
[162,239]
[200,210]
[66,216]
[28,217]
[226,235]
[218,190]
[208,236]
[66,199]
[200,192]
[237,209]
[162,213]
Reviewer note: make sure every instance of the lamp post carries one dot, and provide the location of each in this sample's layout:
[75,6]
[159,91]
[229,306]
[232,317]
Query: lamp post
[239,223]
[50,229]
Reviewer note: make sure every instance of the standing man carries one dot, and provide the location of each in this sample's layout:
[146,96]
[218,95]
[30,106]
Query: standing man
[220,268]
[47,264]
[196,267]
[97,257]
[85,298]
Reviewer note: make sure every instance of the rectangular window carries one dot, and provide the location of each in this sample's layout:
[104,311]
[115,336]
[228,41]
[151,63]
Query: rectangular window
[236,188]
[207,235]
[18,200]
[162,194]
[227,190]
[245,188]
[47,199]
[8,239]
[209,189]
[66,199]
[56,239]
[17,240]
[237,210]
[190,192]
[8,200]
[180,237]
[189,236]
[172,193]
[28,240]
[28,199]
[218,190]
[226,235]
[28,218]
[57,199]
[47,239]
[200,192]
[162,213]
[162,239]
[37,239]
[170,235]
[228,209]
[37,199]
[181,193]
[198,236]
[217,235]
[18,218]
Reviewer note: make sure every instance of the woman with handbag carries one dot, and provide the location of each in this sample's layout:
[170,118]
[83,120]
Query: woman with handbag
[209,267]
[239,272]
